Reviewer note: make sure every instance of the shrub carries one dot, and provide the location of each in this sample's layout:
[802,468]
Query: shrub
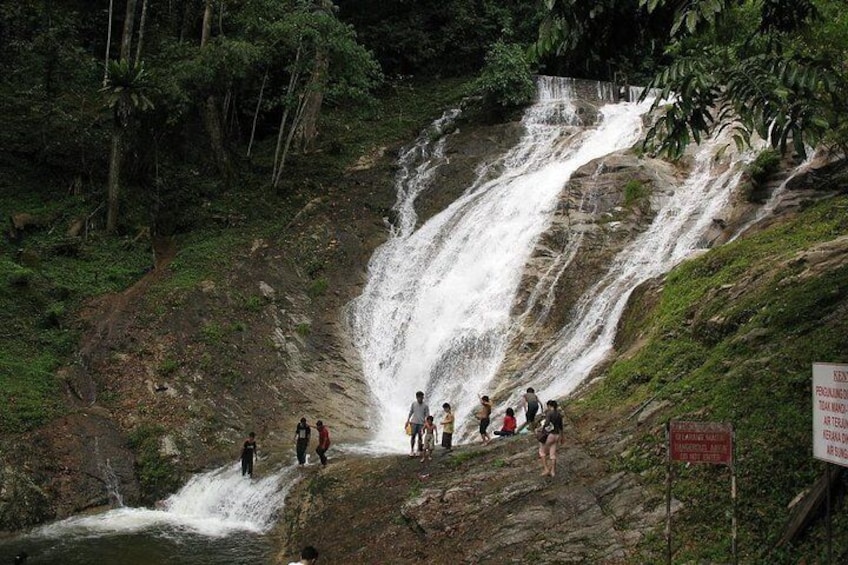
[506,80]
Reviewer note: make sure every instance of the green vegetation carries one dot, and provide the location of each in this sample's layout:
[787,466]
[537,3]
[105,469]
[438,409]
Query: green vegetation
[635,191]
[764,166]
[157,475]
[317,287]
[733,339]
[505,81]
[770,68]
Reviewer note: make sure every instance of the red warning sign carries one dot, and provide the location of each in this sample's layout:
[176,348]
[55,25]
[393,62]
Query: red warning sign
[701,442]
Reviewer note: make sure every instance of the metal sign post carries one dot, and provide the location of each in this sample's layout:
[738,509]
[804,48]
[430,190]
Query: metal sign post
[700,442]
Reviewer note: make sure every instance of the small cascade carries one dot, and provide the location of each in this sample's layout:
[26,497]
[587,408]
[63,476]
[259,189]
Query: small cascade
[214,504]
[110,479]
[112,484]
[776,197]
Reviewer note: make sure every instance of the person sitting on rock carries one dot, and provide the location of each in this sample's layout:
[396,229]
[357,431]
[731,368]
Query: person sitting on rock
[509,423]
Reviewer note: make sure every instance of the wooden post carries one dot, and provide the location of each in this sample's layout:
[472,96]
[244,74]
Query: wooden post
[668,472]
[734,535]
[829,517]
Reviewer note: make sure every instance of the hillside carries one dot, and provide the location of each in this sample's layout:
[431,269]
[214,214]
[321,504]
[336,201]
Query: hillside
[238,327]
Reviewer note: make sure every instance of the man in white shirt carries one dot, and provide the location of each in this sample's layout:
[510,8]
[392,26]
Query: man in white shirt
[418,413]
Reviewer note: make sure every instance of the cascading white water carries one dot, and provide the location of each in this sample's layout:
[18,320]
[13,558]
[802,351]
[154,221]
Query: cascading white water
[435,313]
[674,234]
[214,504]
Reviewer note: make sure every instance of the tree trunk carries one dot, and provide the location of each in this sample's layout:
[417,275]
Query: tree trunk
[141,23]
[114,186]
[121,115]
[278,162]
[126,39]
[314,97]
[206,30]
[256,113]
[211,116]
[108,46]
[308,132]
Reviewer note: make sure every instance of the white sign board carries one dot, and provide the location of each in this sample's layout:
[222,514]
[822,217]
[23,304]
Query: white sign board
[830,413]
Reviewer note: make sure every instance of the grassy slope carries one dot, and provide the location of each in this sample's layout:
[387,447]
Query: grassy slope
[732,339]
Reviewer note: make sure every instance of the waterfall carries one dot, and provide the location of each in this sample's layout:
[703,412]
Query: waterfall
[674,234]
[435,312]
[214,504]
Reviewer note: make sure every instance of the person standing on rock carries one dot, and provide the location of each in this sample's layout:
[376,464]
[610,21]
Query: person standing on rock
[248,454]
[531,405]
[447,427]
[429,439]
[484,414]
[301,440]
[323,441]
[418,413]
[547,451]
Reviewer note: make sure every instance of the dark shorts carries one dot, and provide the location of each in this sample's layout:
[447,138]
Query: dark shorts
[446,440]
[532,410]
[417,429]
[484,425]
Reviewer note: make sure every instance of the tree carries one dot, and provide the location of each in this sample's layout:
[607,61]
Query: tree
[603,39]
[211,116]
[126,92]
[505,81]
[758,67]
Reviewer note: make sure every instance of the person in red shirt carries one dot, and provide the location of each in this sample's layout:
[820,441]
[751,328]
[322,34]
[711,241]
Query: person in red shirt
[509,423]
[323,441]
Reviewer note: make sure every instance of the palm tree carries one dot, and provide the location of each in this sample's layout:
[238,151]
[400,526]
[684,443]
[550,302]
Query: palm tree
[126,91]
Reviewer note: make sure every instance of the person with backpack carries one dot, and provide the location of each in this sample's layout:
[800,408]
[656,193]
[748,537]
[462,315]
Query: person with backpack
[549,435]
[301,440]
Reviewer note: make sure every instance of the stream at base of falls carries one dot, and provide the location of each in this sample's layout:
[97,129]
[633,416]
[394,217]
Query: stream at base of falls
[218,517]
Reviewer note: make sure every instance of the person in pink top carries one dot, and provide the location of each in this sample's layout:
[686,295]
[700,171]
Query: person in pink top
[509,423]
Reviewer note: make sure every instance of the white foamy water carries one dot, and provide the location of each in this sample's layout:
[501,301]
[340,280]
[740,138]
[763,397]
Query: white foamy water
[213,504]
[675,233]
[435,313]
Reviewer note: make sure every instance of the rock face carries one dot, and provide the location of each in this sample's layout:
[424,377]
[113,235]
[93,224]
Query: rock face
[477,504]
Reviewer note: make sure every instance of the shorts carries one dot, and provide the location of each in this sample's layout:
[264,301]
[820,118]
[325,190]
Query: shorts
[484,425]
[532,410]
[549,447]
[417,429]
[429,442]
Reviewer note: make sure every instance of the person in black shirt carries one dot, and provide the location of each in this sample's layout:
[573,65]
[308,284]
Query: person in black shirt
[547,451]
[301,439]
[248,454]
